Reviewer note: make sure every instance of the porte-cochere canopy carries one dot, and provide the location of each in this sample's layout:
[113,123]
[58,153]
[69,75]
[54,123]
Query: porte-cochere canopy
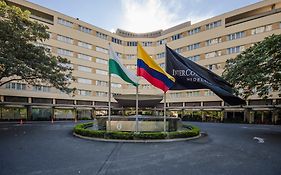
[129,100]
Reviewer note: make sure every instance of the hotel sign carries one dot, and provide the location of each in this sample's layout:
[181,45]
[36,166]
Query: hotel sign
[131,125]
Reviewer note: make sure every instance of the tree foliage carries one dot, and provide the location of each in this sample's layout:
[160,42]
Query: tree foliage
[257,69]
[21,59]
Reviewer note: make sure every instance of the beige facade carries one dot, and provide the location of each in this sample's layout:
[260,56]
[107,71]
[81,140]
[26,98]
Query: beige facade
[209,43]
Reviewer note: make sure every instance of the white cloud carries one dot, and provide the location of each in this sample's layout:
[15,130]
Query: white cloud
[150,15]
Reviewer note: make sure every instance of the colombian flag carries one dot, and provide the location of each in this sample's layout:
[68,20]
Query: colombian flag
[152,72]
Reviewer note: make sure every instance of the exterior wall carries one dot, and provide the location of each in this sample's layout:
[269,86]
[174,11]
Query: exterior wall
[245,19]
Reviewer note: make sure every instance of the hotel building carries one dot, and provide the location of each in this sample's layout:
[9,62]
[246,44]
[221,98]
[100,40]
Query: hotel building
[209,43]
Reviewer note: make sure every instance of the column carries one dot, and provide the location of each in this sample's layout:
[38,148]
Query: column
[262,116]
[274,116]
[29,112]
[202,115]
[247,115]
[224,115]
[53,113]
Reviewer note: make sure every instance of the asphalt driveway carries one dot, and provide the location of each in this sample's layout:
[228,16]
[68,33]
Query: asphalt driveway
[50,149]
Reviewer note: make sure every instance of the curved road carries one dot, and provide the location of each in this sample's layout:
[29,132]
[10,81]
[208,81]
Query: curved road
[42,148]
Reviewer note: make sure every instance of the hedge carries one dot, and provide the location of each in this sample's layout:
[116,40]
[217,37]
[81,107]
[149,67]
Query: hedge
[81,129]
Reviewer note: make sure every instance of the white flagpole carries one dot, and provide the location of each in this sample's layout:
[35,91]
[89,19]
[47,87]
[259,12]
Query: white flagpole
[165,129]
[137,108]
[109,96]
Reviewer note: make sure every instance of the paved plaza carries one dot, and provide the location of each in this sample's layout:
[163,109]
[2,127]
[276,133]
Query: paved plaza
[42,148]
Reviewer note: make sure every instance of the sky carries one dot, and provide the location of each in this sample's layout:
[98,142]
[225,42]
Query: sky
[142,16]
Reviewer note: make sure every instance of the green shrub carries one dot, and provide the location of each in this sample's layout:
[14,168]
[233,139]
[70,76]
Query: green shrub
[81,129]
[119,135]
[150,135]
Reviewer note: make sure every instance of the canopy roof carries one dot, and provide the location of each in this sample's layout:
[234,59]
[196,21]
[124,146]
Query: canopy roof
[129,100]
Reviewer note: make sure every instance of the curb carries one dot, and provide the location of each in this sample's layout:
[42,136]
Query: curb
[138,141]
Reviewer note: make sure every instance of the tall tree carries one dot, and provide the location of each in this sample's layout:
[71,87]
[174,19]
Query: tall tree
[22,59]
[257,69]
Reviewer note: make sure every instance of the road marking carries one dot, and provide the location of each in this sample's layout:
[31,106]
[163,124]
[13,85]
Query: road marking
[260,140]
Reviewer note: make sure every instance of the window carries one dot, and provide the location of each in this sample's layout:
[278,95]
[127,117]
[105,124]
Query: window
[213,25]
[101,83]
[64,52]
[194,58]
[194,31]
[213,54]
[160,55]
[209,93]
[261,29]
[116,85]
[268,28]
[176,95]
[236,49]
[65,39]
[162,65]
[160,42]
[147,44]
[131,66]
[101,94]
[101,61]
[146,86]
[66,65]
[84,69]
[193,93]
[65,22]
[100,49]
[117,41]
[237,35]
[50,34]
[213,66]
[213,41]
[85,45]
[47,47]
[85,29]
[179,50]
[101,35]
[193,46]
[132,43]
[84,57]
[40,88]
[130,56]
[16,86]
[176,37]
[101,72]
[84,92]
[84,81]
[119,54]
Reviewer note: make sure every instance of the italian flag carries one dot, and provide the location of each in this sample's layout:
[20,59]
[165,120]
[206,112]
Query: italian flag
[116,67]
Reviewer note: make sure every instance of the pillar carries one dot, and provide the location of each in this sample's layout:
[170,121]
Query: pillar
[202,116]
[274,116]
[262,116]
[224,115]
[247,115]
[94,113]
[252,117]
[29,112]
[53,113]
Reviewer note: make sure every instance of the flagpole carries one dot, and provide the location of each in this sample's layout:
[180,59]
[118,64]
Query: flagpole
[165,129]
[109,97]
[137,108]
[137,104]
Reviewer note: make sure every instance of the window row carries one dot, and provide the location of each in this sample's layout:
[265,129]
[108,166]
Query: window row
[191,94]
[194,58]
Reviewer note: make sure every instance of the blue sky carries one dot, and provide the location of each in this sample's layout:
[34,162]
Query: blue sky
[142,15]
